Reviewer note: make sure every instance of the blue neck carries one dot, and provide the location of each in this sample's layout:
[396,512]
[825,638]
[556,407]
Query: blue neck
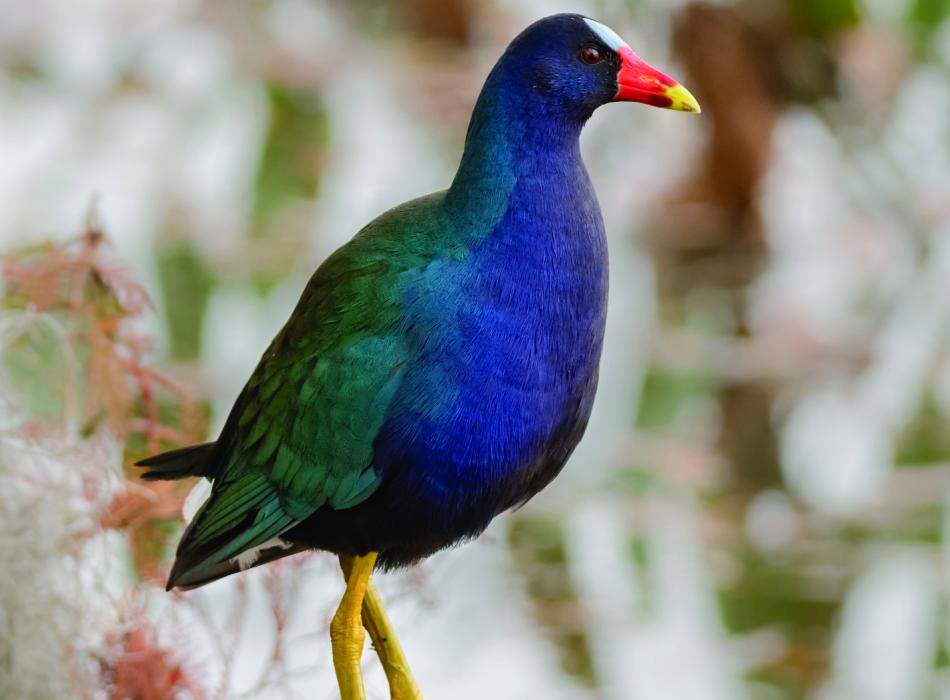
[509,330]
[515,135]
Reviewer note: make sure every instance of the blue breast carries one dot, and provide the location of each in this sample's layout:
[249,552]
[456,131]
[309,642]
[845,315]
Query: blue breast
[506,328]
[508,339]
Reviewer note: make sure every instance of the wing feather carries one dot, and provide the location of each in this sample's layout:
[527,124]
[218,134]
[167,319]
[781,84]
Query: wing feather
[300,436]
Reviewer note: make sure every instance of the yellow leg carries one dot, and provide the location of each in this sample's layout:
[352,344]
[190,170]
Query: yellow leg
[402,686]
[346,629]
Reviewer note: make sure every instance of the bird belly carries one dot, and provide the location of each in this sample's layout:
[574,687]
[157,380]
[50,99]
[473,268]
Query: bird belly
[496,447]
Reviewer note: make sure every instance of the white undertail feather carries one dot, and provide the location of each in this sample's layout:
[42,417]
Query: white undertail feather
[245,560]
[195,499]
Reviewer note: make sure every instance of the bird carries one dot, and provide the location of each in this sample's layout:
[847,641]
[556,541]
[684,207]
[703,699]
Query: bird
[440,367]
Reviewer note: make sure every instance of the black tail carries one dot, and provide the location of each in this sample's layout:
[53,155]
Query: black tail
[185,580]
[194,460]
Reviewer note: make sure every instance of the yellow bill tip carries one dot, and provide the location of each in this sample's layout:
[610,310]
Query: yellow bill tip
[682,100]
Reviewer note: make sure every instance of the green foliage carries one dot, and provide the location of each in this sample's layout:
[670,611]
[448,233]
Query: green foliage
[924,17]
[642,555]
[634,483]
[544,536]
[290,162]
[824,17]
[777,592]
[913,525]
[287,179]
[34,364]
[774,591]
[667,392]
[192,421]
[777,683]
[926,439]
[942,656]
[186,285]
[538,545]
[640,551]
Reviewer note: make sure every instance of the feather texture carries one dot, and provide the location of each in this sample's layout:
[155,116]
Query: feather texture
[441,366]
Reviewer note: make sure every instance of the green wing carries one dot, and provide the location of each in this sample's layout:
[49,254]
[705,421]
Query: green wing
[300,435]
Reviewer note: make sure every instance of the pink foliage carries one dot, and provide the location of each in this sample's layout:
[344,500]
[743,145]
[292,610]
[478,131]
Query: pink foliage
[145,670]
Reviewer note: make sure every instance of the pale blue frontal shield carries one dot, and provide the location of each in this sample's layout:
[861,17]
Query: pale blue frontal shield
[606,34]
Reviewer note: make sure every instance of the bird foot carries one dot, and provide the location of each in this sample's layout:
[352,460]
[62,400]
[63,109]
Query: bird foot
[402,685]
[346,630]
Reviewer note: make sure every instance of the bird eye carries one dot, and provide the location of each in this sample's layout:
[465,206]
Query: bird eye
[590,56]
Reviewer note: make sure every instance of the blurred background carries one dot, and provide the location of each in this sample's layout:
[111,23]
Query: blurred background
[760,507]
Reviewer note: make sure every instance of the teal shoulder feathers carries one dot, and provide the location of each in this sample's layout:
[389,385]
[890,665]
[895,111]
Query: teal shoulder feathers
[300,435]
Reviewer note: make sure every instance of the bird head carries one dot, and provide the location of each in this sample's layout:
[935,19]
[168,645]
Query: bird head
[584,64]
